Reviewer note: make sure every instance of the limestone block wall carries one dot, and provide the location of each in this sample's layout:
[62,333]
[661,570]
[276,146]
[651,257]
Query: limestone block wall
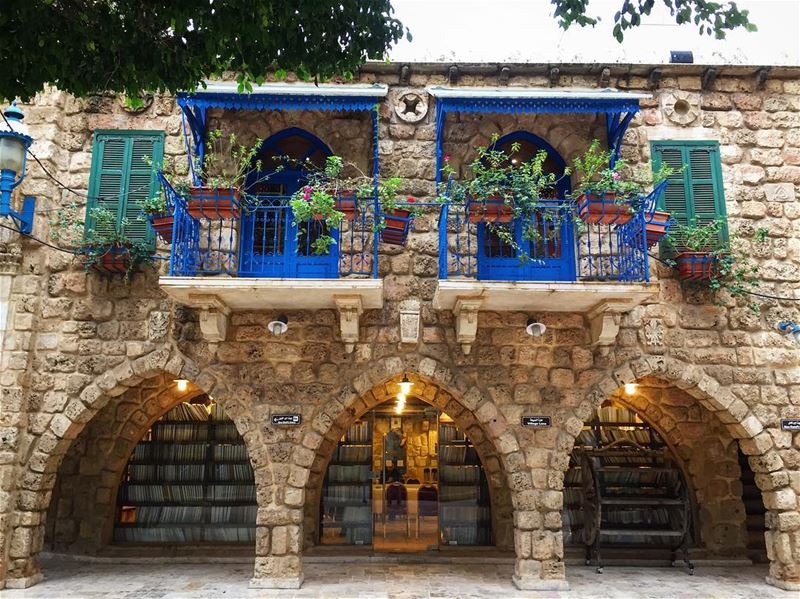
[78,345]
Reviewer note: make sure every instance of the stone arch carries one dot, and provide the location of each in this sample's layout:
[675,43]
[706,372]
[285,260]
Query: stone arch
[708,456]
[759,442]
[46,452]
[439,397]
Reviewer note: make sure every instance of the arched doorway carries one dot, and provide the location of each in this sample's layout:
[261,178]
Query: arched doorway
[273,245]
[188,481]
[626,494]
[544,239]
[404,477]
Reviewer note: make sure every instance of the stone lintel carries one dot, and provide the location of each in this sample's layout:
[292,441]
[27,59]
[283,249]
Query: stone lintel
[350,309]
[466,313]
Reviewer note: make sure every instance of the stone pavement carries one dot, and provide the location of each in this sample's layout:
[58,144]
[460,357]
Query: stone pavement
[163,580]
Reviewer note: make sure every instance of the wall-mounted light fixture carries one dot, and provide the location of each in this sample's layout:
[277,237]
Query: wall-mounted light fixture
[181,385]
[790,329]
[14,144]
[630,388]
[278,326]
[535,329]
[405,385]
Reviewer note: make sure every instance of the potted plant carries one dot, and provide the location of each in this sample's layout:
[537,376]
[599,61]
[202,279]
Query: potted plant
[696,249]
[159,215]
[503,188]
[396,215]
[603,195]
[223,170]
[702,254]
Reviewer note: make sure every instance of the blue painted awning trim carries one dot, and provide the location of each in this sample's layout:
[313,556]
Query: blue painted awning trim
[236,101]
[539,105]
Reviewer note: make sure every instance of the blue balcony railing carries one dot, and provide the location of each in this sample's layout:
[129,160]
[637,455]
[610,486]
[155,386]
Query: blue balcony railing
[261,240]
[549,245]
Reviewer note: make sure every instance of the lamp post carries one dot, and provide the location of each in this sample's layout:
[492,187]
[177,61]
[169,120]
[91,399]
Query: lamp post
[14,144]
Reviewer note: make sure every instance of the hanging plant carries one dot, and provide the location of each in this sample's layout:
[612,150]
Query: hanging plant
[702,254]
[604,194]
[159,215]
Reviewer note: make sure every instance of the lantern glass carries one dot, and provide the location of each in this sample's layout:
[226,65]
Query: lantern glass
[12,153]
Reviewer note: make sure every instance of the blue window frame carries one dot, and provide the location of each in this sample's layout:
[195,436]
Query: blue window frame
[552,252]
[272,244]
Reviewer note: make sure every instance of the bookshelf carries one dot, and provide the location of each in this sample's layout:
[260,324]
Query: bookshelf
[188,481]
[346,505]
[464,507]
[624,489]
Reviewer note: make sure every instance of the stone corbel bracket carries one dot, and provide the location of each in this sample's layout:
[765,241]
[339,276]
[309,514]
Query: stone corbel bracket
[350,310]
[466,313]
[213,316]
[604,321]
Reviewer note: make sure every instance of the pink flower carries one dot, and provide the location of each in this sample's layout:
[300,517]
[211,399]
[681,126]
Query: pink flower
[307,193]
[411,199]
[447,157]
[615,176]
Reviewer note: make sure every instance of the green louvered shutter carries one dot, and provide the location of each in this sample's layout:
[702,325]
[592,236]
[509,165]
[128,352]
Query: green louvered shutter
[120,178]
[695,195]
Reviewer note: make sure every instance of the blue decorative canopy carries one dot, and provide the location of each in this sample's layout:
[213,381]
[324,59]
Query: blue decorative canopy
[618,107]
[273,96]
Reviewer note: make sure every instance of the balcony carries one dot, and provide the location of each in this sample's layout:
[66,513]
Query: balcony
[557,263]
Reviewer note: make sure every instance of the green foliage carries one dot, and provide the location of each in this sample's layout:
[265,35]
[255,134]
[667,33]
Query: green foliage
[86,47]
[104,234]
[734,270]
[520,184]
[227,163]
[596,176]
[156,204]
[710,18]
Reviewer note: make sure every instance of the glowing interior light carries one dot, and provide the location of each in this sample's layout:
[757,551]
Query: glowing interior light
[405,385]
[182,385]
[630,388]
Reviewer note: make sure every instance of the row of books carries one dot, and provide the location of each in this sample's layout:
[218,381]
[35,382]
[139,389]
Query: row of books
[449,432]
[230,453]
[189,493]
[164,514]
[457,514]
[459,474]
[453,454]
[233,472]
[188,412]
[352,453]
[166,472]
[617,414]
[186,452]
[348,474]
[187,534]
[359,433]
[333,493]
[460,493]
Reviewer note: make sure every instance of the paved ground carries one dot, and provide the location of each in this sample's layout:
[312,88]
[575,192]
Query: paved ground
[71,579]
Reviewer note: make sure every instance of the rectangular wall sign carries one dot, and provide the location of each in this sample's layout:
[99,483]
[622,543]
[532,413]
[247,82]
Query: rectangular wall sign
[790,424]
[286,419]
[536,421]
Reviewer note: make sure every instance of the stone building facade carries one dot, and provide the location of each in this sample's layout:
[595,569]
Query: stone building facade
[88,361]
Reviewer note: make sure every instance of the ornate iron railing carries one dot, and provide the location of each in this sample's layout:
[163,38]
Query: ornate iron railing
[259,238]
[549,244]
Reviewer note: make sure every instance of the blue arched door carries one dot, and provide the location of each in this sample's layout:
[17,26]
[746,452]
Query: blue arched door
[552,251]
[272,245]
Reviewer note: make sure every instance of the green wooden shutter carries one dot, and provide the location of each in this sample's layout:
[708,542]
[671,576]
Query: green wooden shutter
[695,195]
[120,178]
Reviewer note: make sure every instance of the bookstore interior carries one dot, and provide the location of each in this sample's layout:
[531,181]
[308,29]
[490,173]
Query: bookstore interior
[403,477]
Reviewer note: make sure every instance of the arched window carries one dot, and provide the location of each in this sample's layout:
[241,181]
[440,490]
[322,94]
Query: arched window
[272,245]
[547,257]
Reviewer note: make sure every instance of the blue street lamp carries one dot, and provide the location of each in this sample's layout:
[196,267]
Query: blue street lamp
[14,144]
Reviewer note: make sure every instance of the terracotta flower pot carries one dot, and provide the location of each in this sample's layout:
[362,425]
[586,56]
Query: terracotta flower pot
[116,260]
[213,203]
[696,266]
[657,227]
[396,229]
[162,224]
[490,210]
[603,210]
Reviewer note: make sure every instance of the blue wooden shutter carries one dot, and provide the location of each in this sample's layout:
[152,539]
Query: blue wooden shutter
[695,195]
[120,178]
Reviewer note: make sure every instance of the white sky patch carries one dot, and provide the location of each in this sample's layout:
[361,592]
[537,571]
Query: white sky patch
[523,31]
